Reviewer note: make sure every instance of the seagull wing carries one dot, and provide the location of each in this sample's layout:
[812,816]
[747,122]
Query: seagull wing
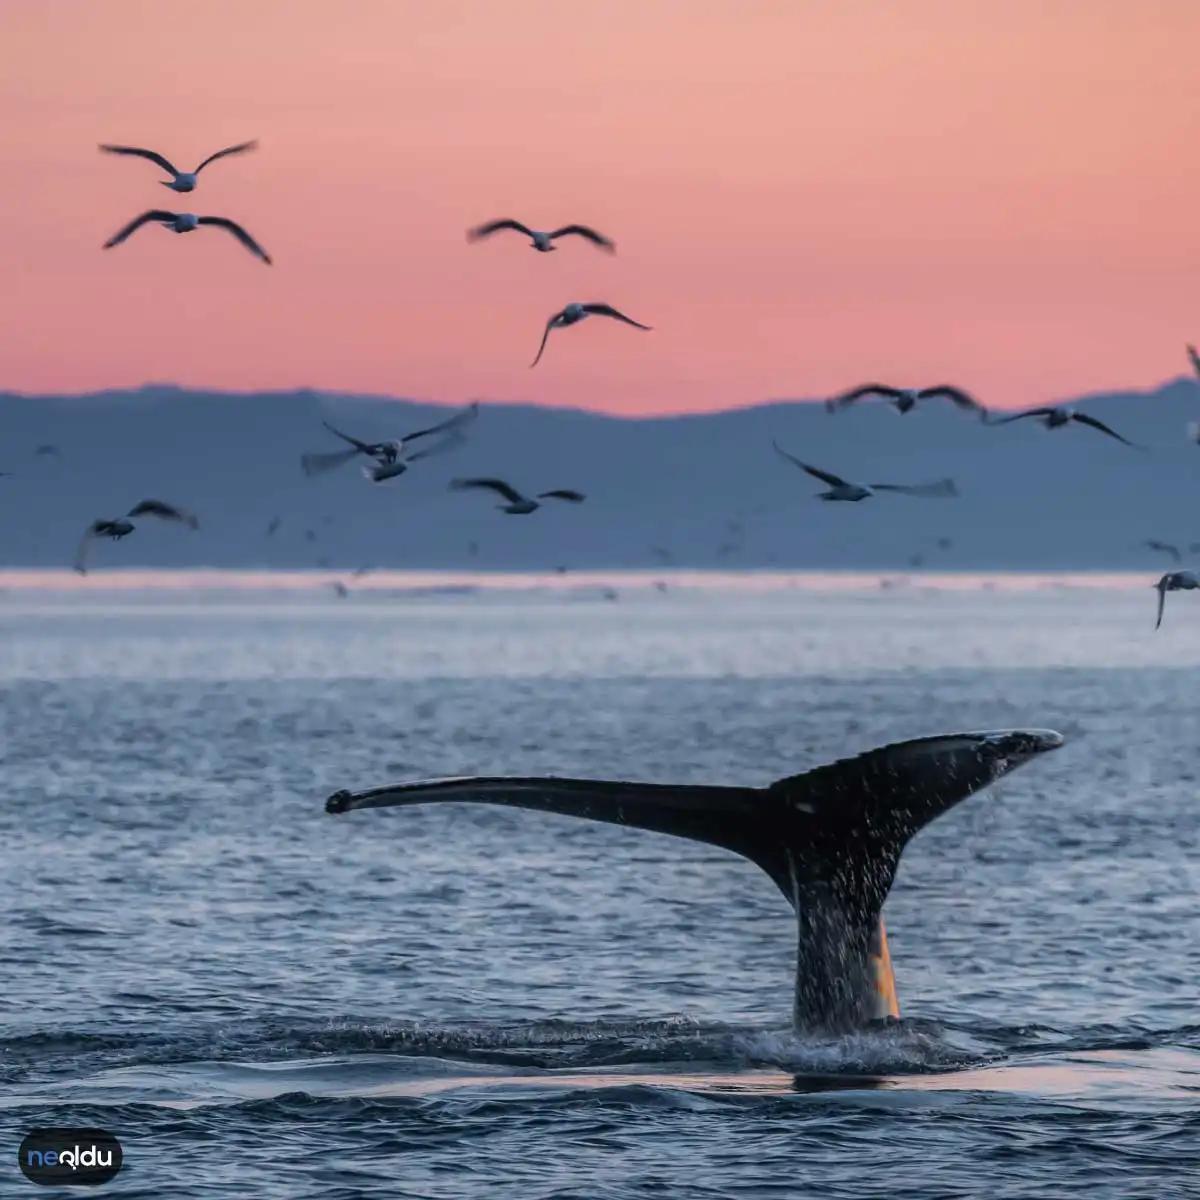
[1162,598]
[607,310]
[940,487]
[359,447]
[451,441]
[239,233]
[867,389]
[956,395]
[482,231]
[153,214]
[84,545]
[545,335]
[318,464]
[1084,419]
[563,494]
[455,422]
[583,231]
[815,472]
[1031,412]
[164,511]
[240,148]
[150,154]
[495,485]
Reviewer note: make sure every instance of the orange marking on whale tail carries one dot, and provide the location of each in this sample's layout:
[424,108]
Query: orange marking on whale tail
[884,980]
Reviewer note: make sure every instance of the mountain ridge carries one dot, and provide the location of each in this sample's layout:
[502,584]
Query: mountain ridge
[707,487]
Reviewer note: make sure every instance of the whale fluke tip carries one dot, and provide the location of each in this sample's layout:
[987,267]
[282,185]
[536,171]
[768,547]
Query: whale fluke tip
[339,802]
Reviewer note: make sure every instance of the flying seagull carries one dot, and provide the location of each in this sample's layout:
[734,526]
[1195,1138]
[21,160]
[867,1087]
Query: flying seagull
[1195,357]
[1174,581]
[842,489]
[517,505]
[574,313]
[1164,548]
[123,526]
[185,223]
[904,400]
[1055,417]
[182,181]
[392,457]
[543,242]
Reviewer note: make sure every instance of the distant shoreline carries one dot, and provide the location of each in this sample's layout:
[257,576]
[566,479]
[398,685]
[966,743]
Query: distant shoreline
[750,582]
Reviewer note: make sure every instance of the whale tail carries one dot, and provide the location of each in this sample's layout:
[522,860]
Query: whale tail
[830,839]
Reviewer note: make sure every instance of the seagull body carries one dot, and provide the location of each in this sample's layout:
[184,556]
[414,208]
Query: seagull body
[541,241]
[1057,416]
[186,223]
[904,400]
[1174,581]
[181,181]
[843,489]
[574,313]
[518,505]
[392,458]
[124,526]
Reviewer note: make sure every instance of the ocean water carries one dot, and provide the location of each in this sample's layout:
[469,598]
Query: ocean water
[260,999]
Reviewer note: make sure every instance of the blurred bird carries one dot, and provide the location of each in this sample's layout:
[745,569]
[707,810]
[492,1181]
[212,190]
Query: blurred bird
[542,242]
[574,313]
[391,457]
[1055,417]
[123,526]
[186,223]
[1174,581]
[1164,548]
[181,181]
[843,489]
[904,400]
[517,505]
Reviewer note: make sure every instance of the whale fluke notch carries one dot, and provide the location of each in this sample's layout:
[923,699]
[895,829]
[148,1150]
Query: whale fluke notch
[830,839]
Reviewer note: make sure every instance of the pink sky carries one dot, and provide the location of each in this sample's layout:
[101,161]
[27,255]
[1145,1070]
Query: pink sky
[805,194]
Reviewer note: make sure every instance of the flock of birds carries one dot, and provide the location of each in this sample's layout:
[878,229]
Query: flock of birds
[388,459]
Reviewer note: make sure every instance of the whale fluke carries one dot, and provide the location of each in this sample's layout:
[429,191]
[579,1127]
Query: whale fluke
[830,839]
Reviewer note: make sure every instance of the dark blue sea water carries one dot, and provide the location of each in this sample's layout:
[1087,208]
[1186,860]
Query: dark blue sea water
[263,1000]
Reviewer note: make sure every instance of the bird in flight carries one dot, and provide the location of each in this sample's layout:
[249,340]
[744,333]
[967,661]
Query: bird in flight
[1164,548]
[124,526]
[540,241]
[1056,416]
[391,457]
[1195,357]
[574,313]
[1174,581]
[904,400]
[518,505]
[181,181]
[185,223]
[843,489]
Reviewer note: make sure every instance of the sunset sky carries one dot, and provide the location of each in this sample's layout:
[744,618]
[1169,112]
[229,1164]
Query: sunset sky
[805,194]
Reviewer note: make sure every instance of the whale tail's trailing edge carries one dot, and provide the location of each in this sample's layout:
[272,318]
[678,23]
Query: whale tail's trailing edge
[830,839]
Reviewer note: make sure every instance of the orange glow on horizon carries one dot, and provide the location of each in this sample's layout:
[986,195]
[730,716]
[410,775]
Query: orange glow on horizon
[805,194]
